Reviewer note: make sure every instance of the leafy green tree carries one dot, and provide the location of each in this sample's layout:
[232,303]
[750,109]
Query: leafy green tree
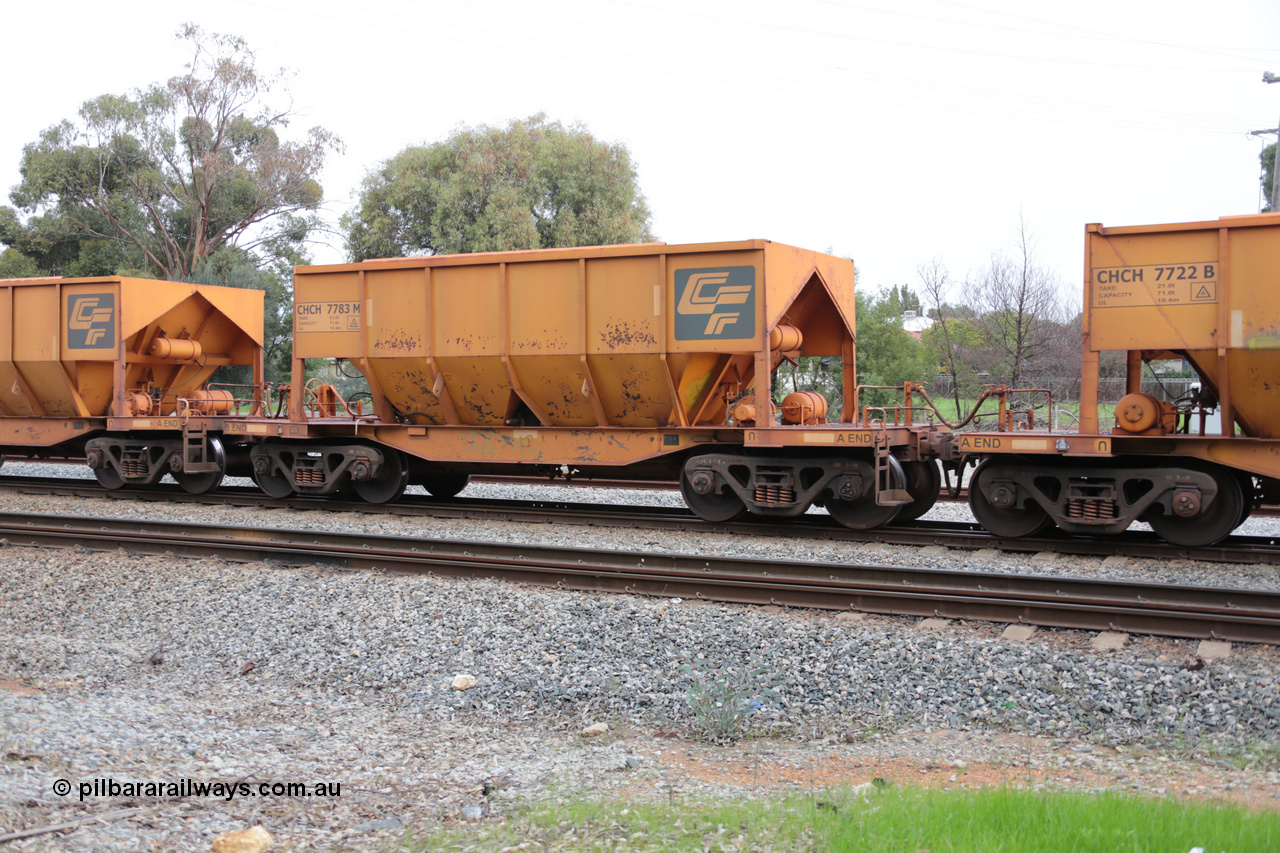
[958,310]
[1268,158]
[887,353]
[902,299]
[49,245]
[533,184]
[159,180]
[14,264]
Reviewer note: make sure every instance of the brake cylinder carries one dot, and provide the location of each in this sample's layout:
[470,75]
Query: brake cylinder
[804,407]
[217,402]
[139,404]
[1141,412]
[743,412]
[785,338]
[179,349]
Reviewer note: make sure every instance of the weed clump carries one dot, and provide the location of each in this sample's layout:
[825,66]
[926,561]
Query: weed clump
[724,699]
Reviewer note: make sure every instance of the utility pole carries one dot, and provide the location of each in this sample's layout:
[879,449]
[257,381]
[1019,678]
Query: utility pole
[1268,77]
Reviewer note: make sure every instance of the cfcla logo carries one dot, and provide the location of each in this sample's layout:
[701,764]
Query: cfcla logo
[90,321]
[706,294]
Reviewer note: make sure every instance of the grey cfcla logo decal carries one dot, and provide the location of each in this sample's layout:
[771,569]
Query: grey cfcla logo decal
[91,321]
[718,302]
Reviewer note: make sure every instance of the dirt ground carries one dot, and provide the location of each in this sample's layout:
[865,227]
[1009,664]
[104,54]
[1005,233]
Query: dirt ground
[953,760]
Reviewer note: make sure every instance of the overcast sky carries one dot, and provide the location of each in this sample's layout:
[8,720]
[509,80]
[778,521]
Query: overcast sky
[889,132]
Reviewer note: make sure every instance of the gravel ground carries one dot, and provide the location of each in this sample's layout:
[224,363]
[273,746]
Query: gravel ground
[144,669]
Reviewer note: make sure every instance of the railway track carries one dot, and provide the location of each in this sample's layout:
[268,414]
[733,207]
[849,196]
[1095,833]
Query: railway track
[1236,549]
[960,496]
[1177,611]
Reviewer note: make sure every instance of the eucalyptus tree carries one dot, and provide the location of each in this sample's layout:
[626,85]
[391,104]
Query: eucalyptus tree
[158,180]
[532,184]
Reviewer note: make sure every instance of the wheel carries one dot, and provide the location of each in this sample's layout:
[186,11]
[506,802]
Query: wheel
[446,484]
[390,483]
[1007,522]
[924,484]
[274,485]
[203,482]
[1214,523]
[863,513]
[108,478]
[1249,494]
[716,507]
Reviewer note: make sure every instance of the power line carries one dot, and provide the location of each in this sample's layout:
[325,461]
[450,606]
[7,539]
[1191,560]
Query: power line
[787,75]
[1091,33]
[773,25]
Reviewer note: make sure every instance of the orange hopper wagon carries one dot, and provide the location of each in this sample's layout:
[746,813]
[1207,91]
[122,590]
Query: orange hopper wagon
[636,361]
[118,370]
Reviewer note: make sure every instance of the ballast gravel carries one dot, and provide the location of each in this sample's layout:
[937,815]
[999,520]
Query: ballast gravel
[127,669]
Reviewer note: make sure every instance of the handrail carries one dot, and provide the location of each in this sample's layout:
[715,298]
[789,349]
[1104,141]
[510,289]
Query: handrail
[1004,415]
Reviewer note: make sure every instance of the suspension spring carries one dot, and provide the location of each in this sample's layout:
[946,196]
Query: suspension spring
[1091,508]
[775,495]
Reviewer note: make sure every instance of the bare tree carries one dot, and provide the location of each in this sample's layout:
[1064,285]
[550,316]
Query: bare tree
[1021,312]
[935,281]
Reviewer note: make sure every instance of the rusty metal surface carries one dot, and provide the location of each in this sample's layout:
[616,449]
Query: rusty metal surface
[632,337]
[1237,615]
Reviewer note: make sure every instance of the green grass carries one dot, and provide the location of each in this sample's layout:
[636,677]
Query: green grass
[1067,414]
[1028,821]
[889,820]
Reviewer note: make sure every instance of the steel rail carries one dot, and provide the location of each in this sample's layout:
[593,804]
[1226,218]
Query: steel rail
[961,535]
[1168,610]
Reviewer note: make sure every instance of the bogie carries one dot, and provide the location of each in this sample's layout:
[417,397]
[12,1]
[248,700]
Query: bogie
[197,462]
[720,487]
[1187,502]
[377,475]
